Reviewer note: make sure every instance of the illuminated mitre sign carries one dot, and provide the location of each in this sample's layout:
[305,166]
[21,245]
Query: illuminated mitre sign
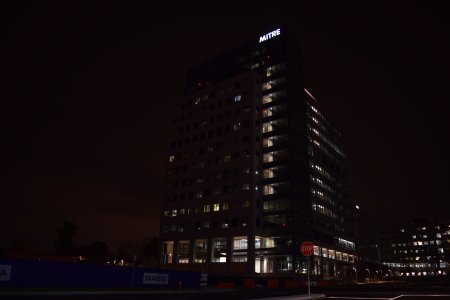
[269,35]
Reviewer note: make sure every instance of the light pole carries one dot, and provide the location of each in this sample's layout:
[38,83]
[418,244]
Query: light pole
[356,275]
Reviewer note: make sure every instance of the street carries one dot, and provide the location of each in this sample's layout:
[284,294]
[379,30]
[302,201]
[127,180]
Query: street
[382,291]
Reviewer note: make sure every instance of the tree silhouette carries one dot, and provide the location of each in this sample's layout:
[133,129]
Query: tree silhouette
[64,244]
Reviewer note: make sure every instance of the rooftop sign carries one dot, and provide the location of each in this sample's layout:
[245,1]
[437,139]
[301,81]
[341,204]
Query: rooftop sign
[269,35]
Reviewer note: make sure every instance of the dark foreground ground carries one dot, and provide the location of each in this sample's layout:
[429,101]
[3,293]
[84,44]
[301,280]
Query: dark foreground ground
[438,289]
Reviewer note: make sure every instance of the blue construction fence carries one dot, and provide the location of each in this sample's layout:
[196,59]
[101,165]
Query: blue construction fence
[47,274]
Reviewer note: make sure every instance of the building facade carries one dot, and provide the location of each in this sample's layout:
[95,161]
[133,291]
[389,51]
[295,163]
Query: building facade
[421,248]
[256,167]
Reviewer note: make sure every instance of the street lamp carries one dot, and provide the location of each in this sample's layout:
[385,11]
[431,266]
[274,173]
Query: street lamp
[356,275]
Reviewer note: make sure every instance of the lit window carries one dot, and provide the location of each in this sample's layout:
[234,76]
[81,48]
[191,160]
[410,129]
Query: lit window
[171,158]
[237,98]
[267,127]
[225,206]
[206,208]
[174,213]
[216,207]
[224,223]
[183,252]
[438,235]
[219,250]
[200,251]
[237,126]
[246,186]
[268,190]
[240,243]
[316,250]
[268,157]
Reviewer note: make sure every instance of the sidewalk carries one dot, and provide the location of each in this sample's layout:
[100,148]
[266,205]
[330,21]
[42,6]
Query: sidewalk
[295,297]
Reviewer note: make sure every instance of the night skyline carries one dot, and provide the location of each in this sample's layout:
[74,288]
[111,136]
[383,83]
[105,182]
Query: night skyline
[90,91]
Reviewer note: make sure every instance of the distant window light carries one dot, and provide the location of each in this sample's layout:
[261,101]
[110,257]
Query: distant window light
[357,207]
[237,98]
[216,207]
[171,158]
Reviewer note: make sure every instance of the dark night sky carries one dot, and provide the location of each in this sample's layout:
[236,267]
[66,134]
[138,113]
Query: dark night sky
[87,92]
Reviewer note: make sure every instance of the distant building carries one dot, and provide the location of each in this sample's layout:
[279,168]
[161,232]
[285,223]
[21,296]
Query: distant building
[255,168]
[421,248]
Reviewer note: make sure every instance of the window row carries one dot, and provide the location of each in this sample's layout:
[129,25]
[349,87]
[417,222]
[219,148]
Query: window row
[333,254]
[330,143]
[227,189]
[316,144]
[197,251]
[226,158]
[205,122]
[274,125]
[189,211]
[201,99]
[324,210]
[274,83]
[419,243]
[322,171]
[234,188]
[276,188]
[205,225]
[219,175]
[315,111]
[324,197]
[206,208]
[274,156]
[322,184]
[218,132]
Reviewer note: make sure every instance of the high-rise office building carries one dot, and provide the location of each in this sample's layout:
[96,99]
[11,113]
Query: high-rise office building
[255,168]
